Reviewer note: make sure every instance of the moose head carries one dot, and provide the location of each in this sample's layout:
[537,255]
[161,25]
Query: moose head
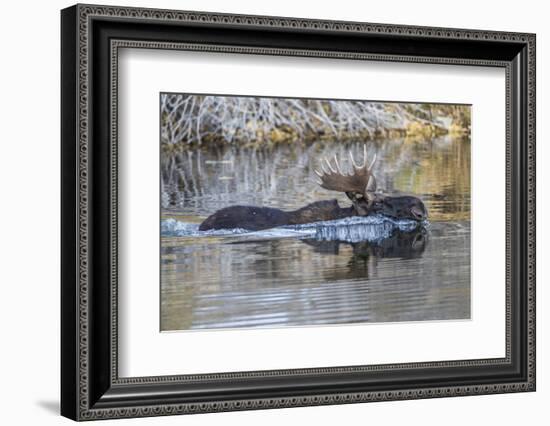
[359,184]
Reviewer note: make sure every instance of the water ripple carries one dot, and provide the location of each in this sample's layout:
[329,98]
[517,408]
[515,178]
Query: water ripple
[351,229]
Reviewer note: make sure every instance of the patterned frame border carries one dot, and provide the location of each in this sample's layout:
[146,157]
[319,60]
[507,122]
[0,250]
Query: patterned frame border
[86,13]
[116,45]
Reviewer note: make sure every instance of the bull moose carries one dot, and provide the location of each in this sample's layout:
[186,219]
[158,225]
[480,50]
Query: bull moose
[359,185]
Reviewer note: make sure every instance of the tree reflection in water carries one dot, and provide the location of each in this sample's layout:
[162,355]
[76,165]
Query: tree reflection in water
[230,282]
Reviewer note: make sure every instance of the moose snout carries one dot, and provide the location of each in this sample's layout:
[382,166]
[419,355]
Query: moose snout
[403,207]
[419,212]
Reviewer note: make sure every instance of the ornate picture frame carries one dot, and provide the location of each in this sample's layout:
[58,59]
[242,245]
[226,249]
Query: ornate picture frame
[91,38]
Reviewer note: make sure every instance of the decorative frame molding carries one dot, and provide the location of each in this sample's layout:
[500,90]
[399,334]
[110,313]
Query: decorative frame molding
[91,388]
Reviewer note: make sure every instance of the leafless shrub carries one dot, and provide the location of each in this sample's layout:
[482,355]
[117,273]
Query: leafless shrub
[195,119]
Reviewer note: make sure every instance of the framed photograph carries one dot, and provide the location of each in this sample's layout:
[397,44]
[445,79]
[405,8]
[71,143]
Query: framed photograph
[263,212]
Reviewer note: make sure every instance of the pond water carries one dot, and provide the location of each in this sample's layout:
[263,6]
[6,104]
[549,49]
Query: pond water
[348,271]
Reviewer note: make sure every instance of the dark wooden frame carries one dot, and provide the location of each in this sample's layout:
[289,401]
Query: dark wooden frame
[91,37]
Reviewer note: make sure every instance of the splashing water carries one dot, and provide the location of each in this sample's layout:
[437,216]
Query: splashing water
[351,229]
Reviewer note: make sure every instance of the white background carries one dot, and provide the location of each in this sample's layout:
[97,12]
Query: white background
[146,352]
[29,175]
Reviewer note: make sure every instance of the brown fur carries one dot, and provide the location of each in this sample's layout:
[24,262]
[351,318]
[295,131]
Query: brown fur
[256,218]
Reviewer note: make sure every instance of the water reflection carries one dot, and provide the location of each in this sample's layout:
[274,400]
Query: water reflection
[199,182]
[401,244]
[212,283]
[232,281]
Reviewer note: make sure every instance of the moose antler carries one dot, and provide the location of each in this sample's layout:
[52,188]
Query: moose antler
[357,181]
